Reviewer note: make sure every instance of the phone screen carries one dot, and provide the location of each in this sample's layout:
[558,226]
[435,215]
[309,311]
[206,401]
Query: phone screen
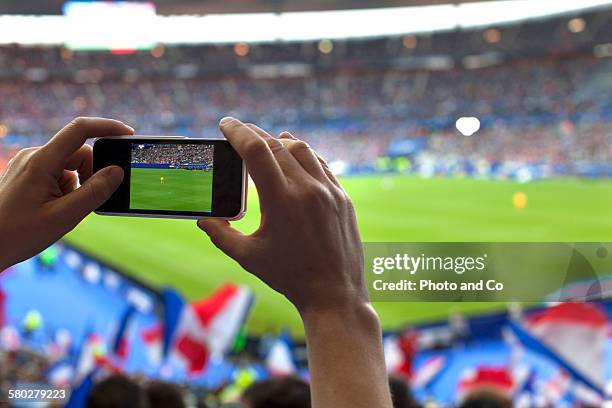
[171,177]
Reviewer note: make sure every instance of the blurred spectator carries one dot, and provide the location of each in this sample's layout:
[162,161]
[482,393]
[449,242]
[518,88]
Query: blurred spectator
[486,398]
[400,393]
[117,391]
[279,392]
[164,395]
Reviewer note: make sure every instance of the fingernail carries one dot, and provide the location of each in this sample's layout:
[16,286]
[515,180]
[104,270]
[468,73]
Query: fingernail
[114,172]
[286,135]
[226,120]
[129,127]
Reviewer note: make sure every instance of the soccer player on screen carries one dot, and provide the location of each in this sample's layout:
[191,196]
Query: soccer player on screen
[161,180]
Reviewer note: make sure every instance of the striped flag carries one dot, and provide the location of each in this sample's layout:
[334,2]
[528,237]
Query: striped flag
[119,342]
[280,359]
[573,335]
[194,332]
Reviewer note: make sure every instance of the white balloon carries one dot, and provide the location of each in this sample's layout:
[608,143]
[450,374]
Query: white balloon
[467,125]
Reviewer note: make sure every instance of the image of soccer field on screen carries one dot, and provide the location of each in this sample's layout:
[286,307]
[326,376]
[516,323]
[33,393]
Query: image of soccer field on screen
[171,177]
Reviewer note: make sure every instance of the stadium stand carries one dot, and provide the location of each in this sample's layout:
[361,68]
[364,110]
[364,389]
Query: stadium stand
[546,98]
[50,352]
[373,105]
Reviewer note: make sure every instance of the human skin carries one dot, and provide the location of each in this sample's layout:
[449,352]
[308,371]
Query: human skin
[39,198]
[308,248]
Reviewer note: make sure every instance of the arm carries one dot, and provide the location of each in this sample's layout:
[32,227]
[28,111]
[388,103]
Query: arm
[308,248]
[346,358]
[39,198]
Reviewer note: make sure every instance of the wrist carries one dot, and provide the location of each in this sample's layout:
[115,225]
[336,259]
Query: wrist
[353,315]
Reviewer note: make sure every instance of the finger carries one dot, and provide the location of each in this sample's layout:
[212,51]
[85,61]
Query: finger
[290,166]
[287,135]
[81,161]
[328,172]
[306,157]
[229,240]
[68,182]
[74,134]
[73,207]
[259,160]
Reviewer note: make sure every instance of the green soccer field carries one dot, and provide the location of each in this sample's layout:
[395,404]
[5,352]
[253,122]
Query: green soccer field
[171,189]
[399,208]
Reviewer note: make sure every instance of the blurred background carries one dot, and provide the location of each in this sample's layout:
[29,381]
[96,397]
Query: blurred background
[471,121]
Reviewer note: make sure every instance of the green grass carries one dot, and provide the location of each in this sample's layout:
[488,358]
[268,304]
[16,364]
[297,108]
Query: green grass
[182,190]
[398,209]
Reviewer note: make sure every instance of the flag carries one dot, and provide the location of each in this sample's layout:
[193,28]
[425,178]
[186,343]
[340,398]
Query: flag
[557,386]
[280,357]
[89,356]
[194,332]
[119,342]
[399,353]
[60,374]
[393,355]
[152,338]
[79,395]
[428,371]
[573,335]
[490,377]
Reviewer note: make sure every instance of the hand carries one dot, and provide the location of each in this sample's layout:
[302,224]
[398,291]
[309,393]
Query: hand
[39,198]
[307,246]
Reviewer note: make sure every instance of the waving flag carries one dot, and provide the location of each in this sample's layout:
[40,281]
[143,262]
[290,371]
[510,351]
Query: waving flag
[573,335]
[194,332]
[80,394]
[120,343]
[428,371]
[152,337]
[91,352]
[498,378]
[280,358]
[60,374]
[399,353]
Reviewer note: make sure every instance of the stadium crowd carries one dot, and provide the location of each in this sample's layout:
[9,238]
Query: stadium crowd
[26,368]
[538,110]
[175,155]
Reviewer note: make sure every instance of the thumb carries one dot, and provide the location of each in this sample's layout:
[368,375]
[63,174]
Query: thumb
[228,239]
[75,206]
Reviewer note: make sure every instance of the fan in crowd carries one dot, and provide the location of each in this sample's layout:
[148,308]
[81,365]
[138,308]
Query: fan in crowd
[547,109]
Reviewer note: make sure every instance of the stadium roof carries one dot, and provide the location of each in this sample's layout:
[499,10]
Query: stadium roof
[138,25]
[169,7]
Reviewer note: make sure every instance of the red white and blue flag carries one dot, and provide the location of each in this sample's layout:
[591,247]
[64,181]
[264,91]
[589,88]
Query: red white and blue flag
[279,360]
[573,335]
[497,378]
[399,353]
[207,328]
[119,342]
[427,372]
[153,337]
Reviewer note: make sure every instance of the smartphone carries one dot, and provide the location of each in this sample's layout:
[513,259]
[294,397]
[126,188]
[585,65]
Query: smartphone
[173,177]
